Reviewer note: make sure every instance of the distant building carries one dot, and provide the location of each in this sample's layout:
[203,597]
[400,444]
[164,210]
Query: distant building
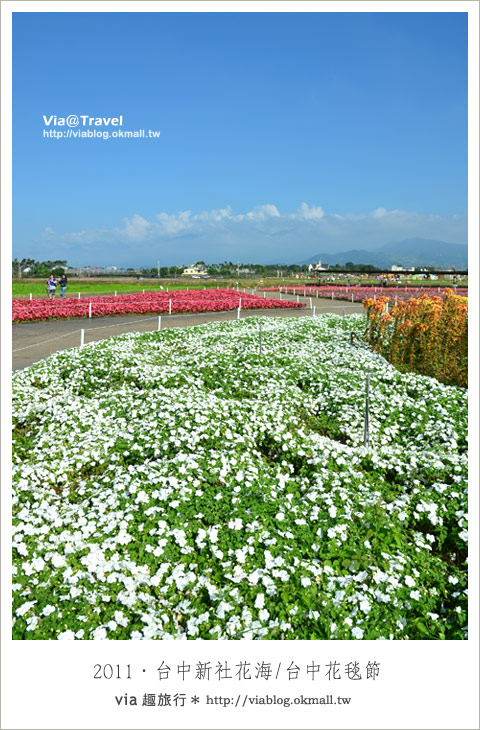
[396,267]
[195,270]
[317,267]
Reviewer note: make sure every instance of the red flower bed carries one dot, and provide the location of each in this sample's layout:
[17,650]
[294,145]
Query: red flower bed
[360,293]
[183,301]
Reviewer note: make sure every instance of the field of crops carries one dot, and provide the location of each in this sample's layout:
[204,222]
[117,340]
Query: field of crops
[203,483]
[361,293]
[176,302]
[109,285]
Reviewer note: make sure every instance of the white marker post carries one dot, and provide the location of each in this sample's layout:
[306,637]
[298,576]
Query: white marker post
[160,322]
[310,299]
[352,297]
[314,310]
[169,306]
[366,435]
[115,293]
[82,338]
[79,295]
[30,297]
[90,310]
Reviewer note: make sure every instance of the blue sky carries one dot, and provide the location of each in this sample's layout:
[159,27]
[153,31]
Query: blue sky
[282,134]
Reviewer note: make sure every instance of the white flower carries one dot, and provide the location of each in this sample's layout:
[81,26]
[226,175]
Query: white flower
[409,581]
[32,622]
[357,633]
[260,600]
[200,539]
[99,634]
[48,610]
[26,607]
[213,533]
[58,561]
[240,555]
[38,564]
[66,636]
[236,524]
[120,618]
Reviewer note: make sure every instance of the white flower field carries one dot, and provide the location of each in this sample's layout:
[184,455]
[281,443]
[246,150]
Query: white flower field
[185,484]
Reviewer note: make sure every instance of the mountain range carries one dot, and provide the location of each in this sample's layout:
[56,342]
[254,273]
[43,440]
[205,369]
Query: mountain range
[409,252]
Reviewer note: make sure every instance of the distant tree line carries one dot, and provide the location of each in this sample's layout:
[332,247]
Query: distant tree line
[37,269]
[228,268]
[29,268]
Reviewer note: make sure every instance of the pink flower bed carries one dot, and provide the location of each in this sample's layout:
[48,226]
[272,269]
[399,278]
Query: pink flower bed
[183,301]
[360,293]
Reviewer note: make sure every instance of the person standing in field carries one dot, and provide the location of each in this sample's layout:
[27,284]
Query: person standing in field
[63,285]
[51,286]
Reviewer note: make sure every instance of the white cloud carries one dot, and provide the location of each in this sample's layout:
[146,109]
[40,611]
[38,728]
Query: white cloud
[260,213]
[137,228]
[263,234]
[379,212]
[307,212]
[172,224]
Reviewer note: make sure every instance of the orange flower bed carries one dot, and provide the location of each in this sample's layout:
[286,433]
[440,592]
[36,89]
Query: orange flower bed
[428,335]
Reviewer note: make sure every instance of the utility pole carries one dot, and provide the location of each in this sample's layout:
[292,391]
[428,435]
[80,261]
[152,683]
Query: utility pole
[158,268]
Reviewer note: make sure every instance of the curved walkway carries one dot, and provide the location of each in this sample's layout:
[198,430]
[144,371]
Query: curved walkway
[34,341]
